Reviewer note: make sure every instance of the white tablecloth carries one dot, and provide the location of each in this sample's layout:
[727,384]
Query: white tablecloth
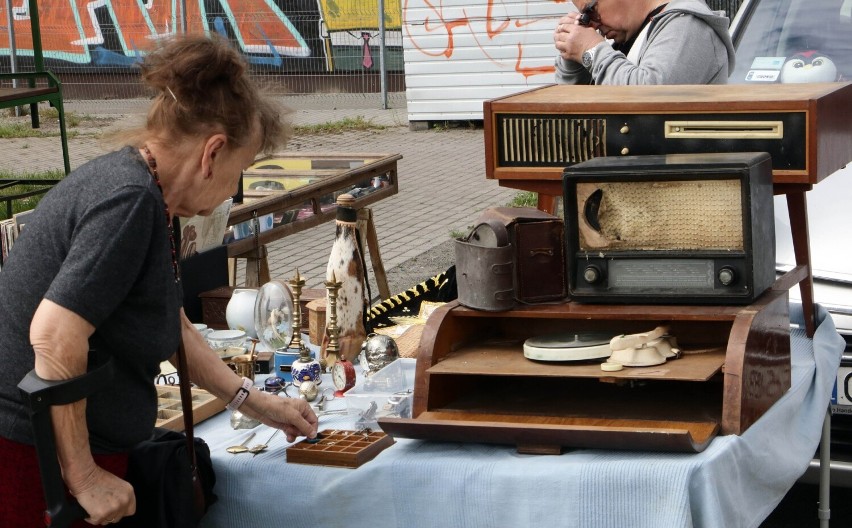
[736,481]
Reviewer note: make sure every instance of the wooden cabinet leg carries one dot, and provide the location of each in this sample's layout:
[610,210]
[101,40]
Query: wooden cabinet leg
[257,268]
[367,227]
[232,272]
[546,203]
[798,209]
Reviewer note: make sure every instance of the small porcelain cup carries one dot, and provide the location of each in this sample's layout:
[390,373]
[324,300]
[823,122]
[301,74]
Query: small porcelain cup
[202,329]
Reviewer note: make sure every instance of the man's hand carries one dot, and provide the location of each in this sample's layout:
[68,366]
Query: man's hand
[572,39]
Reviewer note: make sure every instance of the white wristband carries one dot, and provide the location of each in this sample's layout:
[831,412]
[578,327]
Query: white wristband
[241,395]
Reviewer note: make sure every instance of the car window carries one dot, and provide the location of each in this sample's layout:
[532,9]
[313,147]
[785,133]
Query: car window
[794,41]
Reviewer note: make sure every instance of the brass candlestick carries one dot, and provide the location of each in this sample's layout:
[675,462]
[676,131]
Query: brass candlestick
[332,330]
[304,368]
[296,284]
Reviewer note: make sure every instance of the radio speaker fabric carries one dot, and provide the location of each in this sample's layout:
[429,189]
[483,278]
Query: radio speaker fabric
[682,228]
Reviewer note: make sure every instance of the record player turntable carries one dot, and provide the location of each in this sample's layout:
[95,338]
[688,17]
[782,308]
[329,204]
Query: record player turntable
[568,346]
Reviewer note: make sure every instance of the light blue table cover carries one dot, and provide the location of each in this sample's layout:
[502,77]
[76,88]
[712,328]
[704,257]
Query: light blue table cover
[737,481]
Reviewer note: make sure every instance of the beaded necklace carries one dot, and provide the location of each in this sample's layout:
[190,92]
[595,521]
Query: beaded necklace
[152,164]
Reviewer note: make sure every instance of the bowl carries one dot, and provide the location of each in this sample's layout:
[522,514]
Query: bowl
[218,339]
[202,329]
[229,352]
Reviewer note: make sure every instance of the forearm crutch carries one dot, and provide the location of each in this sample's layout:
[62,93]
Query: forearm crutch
[40,394]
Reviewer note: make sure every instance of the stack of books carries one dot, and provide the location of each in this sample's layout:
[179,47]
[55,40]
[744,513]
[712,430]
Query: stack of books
[9,231]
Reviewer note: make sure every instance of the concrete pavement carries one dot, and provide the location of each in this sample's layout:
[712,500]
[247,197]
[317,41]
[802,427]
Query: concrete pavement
[442,185]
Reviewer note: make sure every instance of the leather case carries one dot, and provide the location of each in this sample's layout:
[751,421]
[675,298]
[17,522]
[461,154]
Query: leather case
[539,252]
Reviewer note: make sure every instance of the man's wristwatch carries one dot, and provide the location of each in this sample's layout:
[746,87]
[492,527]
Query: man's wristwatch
[589,57]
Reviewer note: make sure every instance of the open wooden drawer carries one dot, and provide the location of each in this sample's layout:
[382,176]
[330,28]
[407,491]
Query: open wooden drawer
[473,383]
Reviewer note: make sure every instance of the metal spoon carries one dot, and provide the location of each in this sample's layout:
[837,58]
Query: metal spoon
[240,448]
[255,449]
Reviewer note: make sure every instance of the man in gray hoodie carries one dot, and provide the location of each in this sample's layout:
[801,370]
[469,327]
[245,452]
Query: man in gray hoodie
[625,42]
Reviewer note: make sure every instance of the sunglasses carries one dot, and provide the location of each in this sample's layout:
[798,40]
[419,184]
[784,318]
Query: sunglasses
[589,13]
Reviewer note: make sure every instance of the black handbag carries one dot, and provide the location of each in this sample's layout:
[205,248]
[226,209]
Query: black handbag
[172,474]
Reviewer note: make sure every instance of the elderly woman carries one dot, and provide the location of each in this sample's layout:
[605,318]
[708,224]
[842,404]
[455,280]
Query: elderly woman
[95,274]
[622,42]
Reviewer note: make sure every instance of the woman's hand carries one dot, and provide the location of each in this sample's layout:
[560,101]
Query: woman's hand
[60,340]
[572,39]
[105,497]
[294,416]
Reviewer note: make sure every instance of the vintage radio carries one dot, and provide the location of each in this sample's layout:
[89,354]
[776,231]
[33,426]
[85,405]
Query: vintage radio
[531,136]
[679,228]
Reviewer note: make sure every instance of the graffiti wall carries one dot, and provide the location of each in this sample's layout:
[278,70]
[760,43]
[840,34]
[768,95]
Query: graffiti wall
[311,36]
[451,54]
[459,53]
[462,52]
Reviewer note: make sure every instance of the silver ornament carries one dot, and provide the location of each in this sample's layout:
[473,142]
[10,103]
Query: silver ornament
[379,352]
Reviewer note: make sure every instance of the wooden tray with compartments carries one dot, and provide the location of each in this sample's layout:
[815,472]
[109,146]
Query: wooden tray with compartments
[169,413]
[340,447]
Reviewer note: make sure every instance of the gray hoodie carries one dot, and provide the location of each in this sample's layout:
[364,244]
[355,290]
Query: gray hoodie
[687,44]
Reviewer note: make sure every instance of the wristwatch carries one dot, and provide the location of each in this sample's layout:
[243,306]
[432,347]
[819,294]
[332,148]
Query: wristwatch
[589,57]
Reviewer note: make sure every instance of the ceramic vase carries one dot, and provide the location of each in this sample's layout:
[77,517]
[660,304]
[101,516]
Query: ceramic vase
[305,368]
[240,311]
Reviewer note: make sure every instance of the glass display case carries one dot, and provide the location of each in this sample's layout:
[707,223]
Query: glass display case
[287,193]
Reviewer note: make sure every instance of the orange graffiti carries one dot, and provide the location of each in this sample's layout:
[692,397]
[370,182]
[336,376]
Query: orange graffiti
[56,33]
[259,26]
[492,32]
[69,31]
[61,36]
[432,34]
[434,25]
[134,29]
[530,71]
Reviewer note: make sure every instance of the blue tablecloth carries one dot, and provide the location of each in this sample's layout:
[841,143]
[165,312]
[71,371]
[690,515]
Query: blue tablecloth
[736,481]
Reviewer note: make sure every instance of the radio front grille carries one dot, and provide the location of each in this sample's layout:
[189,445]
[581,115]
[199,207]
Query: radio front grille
[549,141]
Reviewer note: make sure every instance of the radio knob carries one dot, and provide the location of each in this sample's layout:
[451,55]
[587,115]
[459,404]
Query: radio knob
[592,274]
[625,129]
[727,276]
[625,151]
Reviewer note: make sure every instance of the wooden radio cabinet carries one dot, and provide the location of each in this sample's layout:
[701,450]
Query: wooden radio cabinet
[530,137]
[474,384]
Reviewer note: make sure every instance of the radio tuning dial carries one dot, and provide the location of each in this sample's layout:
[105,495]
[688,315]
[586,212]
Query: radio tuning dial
[592,274]
[625,151]
[727,276]
[625,129]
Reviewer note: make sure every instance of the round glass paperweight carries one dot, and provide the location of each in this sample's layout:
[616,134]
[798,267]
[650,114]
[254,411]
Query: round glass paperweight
[273,315]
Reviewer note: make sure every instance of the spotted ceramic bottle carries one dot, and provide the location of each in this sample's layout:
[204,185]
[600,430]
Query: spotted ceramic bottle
[346,265]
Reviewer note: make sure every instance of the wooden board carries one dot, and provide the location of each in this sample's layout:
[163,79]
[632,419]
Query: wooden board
[340,447]
[549,435]
[507,358]
[169,413]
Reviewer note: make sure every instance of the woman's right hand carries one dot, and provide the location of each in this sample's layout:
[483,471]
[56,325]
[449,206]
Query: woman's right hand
[294,416]
[104,496]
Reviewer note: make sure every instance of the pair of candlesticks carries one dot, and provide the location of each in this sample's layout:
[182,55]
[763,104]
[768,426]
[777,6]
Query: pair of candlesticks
[309,370]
